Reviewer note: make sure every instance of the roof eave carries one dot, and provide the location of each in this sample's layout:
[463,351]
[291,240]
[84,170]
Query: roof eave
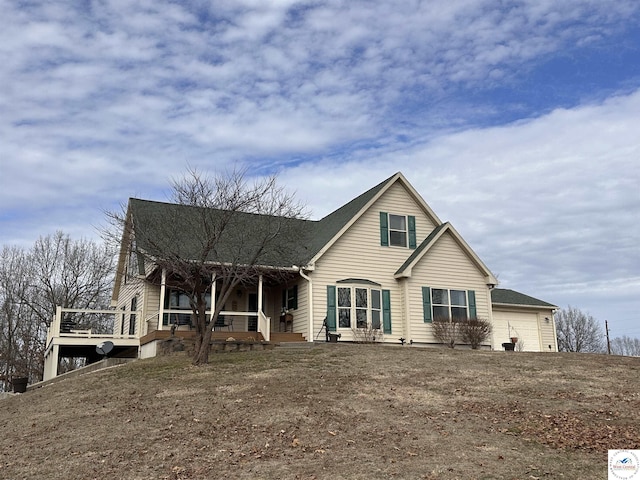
[521,305]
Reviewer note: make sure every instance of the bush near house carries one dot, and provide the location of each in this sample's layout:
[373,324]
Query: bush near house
[446,332]
[473,332]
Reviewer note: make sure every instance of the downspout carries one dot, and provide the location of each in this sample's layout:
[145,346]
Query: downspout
[406,324]
[163,286]
[310,308]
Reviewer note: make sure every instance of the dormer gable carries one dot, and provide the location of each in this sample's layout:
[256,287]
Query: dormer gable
[405,271]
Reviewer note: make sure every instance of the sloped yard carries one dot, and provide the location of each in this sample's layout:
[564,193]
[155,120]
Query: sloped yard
[335,411]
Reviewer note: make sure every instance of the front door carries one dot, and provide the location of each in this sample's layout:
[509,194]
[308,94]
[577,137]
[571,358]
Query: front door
[252,324]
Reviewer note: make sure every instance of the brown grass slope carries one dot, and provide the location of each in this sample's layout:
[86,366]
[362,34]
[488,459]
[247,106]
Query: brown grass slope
[337,411]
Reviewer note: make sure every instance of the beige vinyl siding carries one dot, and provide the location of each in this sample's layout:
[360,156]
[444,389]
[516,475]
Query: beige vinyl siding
[151,308]
[301,314]
[133,287]
[547,331]
[447,266]
[358,254]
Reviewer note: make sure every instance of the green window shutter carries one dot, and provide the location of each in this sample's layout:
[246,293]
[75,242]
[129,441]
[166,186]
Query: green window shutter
[294,300]
[472,304]
[412,232]
[384,229]
[426,304]
[331,308]
[284,298]
[386,311]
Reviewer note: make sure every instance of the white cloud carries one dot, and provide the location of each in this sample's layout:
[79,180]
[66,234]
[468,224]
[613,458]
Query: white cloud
[106,99]
[550,204]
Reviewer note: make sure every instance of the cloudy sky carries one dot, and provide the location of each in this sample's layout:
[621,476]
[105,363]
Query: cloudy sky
[518,121]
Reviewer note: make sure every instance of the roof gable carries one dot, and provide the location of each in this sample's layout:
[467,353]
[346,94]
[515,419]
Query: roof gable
[333,226]
[406,269]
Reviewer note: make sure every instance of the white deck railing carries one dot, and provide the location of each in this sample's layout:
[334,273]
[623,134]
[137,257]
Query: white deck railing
[74,329]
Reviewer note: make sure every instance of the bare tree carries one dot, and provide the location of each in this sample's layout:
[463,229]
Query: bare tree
[55,271]
[69,273]
[626,346]
[12,313]
[578,331]
[224,227]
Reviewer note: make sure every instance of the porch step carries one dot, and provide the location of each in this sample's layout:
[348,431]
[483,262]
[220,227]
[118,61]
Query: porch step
[282,337]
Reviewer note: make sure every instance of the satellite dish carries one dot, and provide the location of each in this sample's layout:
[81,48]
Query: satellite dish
[104,348]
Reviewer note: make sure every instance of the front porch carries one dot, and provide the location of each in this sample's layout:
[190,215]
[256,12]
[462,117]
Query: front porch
[266,305]
[75,333]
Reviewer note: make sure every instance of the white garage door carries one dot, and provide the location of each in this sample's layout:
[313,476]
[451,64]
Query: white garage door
[516,324]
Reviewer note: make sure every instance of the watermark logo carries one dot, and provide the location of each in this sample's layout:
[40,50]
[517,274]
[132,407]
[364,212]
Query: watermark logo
[624,465]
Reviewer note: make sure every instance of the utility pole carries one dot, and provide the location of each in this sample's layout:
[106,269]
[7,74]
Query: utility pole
[606,328]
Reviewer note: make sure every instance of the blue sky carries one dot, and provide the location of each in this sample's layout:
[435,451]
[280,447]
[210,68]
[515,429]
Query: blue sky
[516,120]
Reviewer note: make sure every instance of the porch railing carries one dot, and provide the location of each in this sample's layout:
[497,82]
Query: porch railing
[264,326]
[90,323]
[264,322]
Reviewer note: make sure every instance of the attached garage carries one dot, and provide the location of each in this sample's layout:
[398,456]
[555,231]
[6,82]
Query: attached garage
[526,318]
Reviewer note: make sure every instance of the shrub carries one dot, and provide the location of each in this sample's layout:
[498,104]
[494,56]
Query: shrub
[446,332]
[475,331]
[367,335]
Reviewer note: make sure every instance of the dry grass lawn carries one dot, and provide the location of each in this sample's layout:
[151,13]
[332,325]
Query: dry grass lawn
[334,411]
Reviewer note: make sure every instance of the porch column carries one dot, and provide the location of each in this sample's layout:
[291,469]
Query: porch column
[264,322]
[163,287]
[260,293]
[213,298]
[51,363]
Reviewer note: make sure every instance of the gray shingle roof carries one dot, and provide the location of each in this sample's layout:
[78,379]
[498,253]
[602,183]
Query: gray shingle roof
[183,231]
[161,226]
[511,297]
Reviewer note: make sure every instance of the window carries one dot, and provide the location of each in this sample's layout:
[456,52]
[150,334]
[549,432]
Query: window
[177,300]
[344,307]
[443,304]
[290,298]
[397,230]
[359,307]
[132,316]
